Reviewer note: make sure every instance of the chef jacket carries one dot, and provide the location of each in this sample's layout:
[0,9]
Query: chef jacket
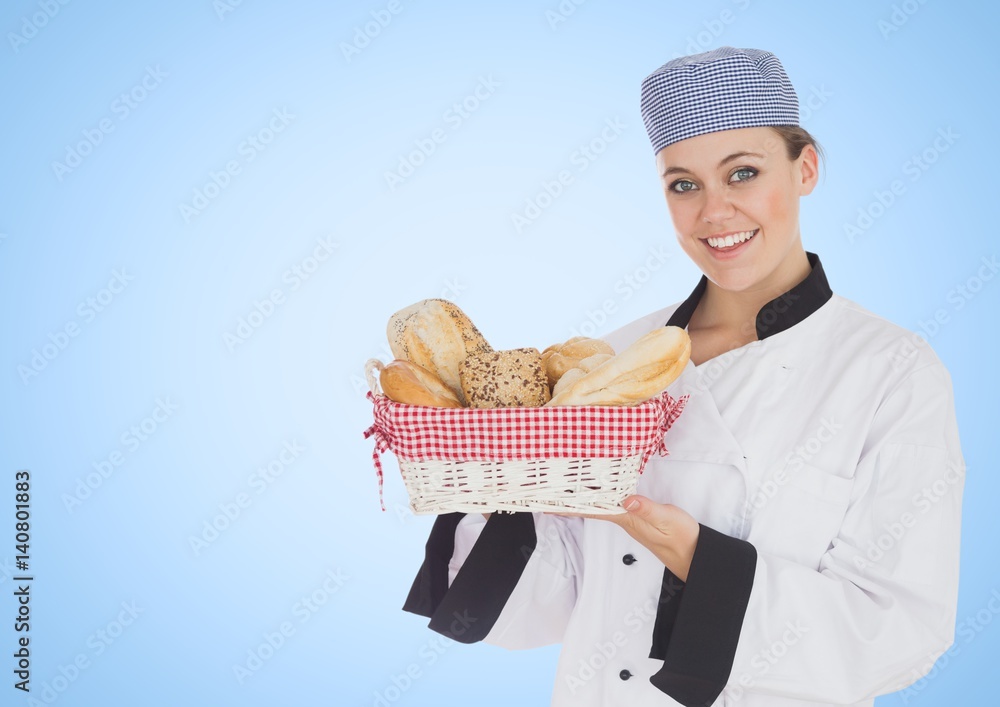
[823,465]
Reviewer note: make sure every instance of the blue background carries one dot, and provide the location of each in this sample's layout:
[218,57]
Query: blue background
[216,412]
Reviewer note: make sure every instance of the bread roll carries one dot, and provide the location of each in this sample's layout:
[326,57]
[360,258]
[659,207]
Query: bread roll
[499,379]
[406,382]
[436,335]
[559,358]
[638,373]
[579,371]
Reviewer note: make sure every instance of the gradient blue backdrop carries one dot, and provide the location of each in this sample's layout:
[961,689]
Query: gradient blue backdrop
[126,609]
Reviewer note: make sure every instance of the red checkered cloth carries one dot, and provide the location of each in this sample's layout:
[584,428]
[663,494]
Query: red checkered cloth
[417,433]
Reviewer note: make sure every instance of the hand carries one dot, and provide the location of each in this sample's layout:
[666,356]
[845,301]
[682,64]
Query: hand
[667,531]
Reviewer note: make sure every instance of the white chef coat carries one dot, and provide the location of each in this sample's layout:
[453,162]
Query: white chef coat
[823,464]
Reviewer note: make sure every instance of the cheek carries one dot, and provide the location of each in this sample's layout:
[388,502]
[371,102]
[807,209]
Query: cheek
[691,247]
[777,205]
[770,207]
[683,214]
[783,206]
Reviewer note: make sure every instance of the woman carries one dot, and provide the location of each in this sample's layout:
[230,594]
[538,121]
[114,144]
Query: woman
[800,543]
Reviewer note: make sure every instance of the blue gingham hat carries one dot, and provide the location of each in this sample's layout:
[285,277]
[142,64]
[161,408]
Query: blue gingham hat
[723,89]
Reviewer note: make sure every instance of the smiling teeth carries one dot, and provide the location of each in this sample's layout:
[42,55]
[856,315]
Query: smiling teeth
[730,240]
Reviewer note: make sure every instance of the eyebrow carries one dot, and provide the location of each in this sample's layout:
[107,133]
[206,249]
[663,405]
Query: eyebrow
[725,160]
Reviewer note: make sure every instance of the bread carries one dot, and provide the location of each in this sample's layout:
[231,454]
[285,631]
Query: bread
[406,382]
[638,373]
[513,378]
[579,371]
[436,335]
[559,358]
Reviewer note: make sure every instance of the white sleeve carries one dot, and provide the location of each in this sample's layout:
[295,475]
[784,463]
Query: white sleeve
[510,580]
[860,627]
[882,605]
[466,534]
[538,610]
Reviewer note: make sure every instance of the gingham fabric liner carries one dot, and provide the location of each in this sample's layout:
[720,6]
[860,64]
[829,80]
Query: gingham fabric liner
[723,89]
[417,433]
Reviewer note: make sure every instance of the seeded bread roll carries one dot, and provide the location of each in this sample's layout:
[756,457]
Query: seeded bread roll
[559,358]
[436,335]
[513,378]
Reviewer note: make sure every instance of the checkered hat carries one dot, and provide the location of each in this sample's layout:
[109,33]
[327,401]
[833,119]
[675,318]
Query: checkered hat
[723,89]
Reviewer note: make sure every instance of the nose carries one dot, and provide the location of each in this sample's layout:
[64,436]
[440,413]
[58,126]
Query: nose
[717,208]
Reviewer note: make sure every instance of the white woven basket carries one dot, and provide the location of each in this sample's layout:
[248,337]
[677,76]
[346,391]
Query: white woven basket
[560,485]
[585,485]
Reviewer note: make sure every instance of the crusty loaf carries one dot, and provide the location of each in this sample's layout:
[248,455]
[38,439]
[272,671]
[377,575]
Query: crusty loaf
[513,378]
[638,373]
[406,382]
[436,335]
[559,358]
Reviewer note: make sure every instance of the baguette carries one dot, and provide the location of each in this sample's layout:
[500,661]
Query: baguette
[638,373]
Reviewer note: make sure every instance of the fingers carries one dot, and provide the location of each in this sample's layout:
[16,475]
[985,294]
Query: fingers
[634,505]
[616,517]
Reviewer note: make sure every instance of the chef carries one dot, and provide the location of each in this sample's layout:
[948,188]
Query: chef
[799,544]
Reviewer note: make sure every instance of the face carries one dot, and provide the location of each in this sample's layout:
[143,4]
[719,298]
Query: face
[738,187]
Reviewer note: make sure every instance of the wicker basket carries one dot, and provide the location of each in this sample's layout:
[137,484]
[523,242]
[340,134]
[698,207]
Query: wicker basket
[561,459]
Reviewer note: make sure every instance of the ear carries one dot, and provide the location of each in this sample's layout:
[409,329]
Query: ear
[807,170]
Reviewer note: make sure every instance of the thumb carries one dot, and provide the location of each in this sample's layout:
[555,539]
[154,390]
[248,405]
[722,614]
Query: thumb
[639,506]
[649,513]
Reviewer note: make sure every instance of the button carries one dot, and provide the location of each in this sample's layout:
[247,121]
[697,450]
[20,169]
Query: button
[624,675]
[628,560]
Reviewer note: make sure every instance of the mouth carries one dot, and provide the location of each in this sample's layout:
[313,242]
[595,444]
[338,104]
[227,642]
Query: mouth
[730,243]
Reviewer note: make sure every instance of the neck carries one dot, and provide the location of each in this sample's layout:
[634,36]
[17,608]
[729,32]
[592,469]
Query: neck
[737,310]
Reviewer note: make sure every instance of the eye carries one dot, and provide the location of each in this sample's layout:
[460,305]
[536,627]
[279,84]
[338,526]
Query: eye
[682,185]
[743,174]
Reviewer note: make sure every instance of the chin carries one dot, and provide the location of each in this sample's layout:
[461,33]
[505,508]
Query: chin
[731,279]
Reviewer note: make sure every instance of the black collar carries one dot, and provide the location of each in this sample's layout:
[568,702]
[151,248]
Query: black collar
[783,312]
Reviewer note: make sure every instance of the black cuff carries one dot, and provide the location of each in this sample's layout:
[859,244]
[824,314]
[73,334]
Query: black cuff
[671,591]
[700,644]
[468,609]
[431,582]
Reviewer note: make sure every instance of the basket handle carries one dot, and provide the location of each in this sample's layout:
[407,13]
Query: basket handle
[373,369]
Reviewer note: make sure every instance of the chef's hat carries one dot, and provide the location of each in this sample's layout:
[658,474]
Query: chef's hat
[723,89]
